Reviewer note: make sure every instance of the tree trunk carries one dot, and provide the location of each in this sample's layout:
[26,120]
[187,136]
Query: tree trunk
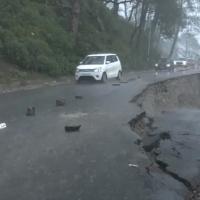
[135,22]
[126,11]
[174,42]
[145,6]
[177,32]
[115,7]
[76,7]
[155,21]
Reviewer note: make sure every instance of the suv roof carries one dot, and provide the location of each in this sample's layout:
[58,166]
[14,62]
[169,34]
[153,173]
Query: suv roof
[103,54]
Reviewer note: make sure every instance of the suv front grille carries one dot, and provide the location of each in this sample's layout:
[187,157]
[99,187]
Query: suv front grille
[86,70]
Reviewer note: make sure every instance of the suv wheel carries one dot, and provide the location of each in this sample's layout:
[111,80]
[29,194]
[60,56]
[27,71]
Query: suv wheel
[104,78]
[119,76]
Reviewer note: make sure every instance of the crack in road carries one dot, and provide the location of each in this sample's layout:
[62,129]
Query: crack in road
[163,166]
[142,126]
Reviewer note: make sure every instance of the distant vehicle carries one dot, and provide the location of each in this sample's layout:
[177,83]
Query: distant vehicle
[181,62]
[100,67]
[191,62]
[164,64]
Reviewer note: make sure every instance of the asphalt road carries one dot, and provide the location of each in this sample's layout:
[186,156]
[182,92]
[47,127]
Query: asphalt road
[40,161]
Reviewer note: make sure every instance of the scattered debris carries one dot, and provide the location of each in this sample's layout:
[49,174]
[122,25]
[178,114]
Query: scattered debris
[3,126]
[60,102]
[116,84]
[72,128]
[79,97]
[133,165]
[30,112]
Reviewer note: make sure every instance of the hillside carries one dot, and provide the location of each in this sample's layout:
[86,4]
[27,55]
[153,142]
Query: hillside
[35,36]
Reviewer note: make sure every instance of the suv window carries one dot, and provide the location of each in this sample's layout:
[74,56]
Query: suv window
[109,58]
[90,60]
[114,58]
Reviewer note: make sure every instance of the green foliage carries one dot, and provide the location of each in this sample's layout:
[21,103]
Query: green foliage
[33,35]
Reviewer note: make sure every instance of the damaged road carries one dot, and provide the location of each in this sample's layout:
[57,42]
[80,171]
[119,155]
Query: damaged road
[105,159]
[169,129]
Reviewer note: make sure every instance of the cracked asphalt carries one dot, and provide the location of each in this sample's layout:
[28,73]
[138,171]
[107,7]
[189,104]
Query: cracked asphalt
[39,160]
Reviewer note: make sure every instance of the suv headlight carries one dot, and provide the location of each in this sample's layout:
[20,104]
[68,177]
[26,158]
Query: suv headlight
[98,69]
[168,65]
[156,65]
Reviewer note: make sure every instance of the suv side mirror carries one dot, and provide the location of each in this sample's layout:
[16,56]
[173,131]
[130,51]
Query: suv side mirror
[107,62]
[81,63]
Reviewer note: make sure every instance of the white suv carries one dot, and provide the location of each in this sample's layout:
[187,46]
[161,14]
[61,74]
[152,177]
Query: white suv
[100,67]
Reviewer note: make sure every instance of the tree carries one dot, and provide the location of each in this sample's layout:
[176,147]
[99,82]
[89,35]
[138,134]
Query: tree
[75,13]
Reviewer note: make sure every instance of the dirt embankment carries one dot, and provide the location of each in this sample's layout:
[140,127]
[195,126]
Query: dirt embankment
[183,92]
[12,78]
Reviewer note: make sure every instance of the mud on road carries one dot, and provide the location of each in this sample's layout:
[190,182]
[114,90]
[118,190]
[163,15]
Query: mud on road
[168,127]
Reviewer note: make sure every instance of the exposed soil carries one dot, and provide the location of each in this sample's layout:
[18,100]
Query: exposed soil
[183,92]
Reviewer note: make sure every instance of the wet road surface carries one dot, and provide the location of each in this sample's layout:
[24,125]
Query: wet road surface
[39,160]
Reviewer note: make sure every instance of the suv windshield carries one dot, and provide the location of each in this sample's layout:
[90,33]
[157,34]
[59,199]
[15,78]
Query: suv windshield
[93,60]
[163,60]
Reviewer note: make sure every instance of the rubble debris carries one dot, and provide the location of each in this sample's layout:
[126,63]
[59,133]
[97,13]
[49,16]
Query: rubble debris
[30,112]
[72,128]
[60,102]
[116,84]
[3,126]
[78,97]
